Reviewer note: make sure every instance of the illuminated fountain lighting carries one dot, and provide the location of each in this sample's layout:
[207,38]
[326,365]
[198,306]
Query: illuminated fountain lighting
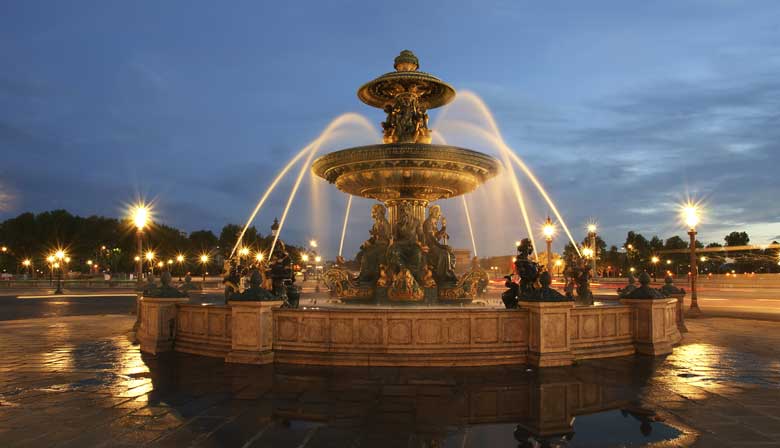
[493,135]
[344,227]
[310,151]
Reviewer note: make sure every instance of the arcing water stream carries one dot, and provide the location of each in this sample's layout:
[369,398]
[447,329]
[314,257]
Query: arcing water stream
[490,133]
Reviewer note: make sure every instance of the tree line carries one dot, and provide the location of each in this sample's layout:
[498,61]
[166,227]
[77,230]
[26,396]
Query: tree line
[648,255]
[111,243]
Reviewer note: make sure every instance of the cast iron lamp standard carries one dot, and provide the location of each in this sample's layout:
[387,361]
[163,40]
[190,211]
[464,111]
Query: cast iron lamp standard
[204,260]
[655,261]
[180,260]
[691,217]
[549,231]
[592,238]
[150,258]
[60,257]
[140,216]
[27,263]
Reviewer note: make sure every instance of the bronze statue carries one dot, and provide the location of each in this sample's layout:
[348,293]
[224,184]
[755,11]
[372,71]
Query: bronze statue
[373,251]
[622,292]
[406,249]
[439,254]
[525,268]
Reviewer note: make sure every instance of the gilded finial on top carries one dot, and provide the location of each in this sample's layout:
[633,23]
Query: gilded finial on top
[406,62]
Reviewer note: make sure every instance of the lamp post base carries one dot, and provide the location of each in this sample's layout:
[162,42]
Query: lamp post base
[694,311]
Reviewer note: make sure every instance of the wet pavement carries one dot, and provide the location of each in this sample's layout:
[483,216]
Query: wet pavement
[80,381]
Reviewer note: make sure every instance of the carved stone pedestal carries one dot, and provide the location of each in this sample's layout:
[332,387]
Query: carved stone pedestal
[549,343]
[680,314]
[654,325]
[157,330]
[252,337]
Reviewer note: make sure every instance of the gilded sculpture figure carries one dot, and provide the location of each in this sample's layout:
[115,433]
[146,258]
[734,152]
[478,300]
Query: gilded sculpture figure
[439,254]
[406,249]
[373,251]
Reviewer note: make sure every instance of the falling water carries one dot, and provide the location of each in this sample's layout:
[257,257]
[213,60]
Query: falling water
[342,120]
[315,146]
[494,135]
[344,227]
[438,136]
[468,221]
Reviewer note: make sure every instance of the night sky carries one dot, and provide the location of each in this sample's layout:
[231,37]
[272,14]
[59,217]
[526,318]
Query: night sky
[622,109]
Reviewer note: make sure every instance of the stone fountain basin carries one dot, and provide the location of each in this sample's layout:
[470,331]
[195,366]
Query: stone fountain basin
[406,171]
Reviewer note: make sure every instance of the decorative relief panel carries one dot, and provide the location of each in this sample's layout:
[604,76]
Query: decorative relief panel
[590,326]
[341,331]
[198,320]
[314,329]
[369,331]
[216,324]
[399,331]
[554,331]
[287,329]
[624,323]
[514,329]
[246,329]
[428,331]
[608,324]
[486,330]
[458,331]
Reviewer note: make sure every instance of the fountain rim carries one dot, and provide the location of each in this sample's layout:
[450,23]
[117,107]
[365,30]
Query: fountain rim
[443,97]
[405,151]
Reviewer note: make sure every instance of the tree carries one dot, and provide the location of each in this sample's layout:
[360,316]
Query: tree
[202,241]
[737,239]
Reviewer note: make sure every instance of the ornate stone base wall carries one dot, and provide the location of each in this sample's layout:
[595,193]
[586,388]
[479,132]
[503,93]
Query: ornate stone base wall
[157,331]
[654,325]
[204,330]
[401,337]
[601,332]
[542,334]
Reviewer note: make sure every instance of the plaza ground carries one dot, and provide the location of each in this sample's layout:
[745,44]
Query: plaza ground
[80,381]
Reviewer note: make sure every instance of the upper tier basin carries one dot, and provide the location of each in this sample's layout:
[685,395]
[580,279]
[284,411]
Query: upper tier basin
[406,171]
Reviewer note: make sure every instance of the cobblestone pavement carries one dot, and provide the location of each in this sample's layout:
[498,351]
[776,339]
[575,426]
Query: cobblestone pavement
[79,381]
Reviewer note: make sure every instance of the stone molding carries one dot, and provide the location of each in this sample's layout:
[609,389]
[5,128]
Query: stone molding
[157,331]
[549,333]
[399,337]
[204,330]
[654,325]
[252,333]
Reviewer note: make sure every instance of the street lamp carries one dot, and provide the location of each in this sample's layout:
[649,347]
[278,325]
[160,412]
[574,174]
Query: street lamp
[549,231]
[259,257]
[50,259]
[313,243]
[204,259]
[60,256]
[150,258]
[558,264]
[305,258]
[27,263]
[140,216]
[592,236]
[317,269]
[654,259]
[180,260]
[690,215]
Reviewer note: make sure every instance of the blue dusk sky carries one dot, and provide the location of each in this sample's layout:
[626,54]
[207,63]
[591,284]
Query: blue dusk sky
[621,108]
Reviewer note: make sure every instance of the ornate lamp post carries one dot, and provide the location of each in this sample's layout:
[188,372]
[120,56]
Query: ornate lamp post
[50,259]
[180,260]
[318,269]
[691,217]
[150,258]
[592,237]
[60,257]
[27,263]
[204,260]
[549,231]
[140,216]
[654,259]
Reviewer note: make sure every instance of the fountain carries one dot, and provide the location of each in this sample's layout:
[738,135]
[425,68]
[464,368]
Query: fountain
[406,173]
[398,310]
